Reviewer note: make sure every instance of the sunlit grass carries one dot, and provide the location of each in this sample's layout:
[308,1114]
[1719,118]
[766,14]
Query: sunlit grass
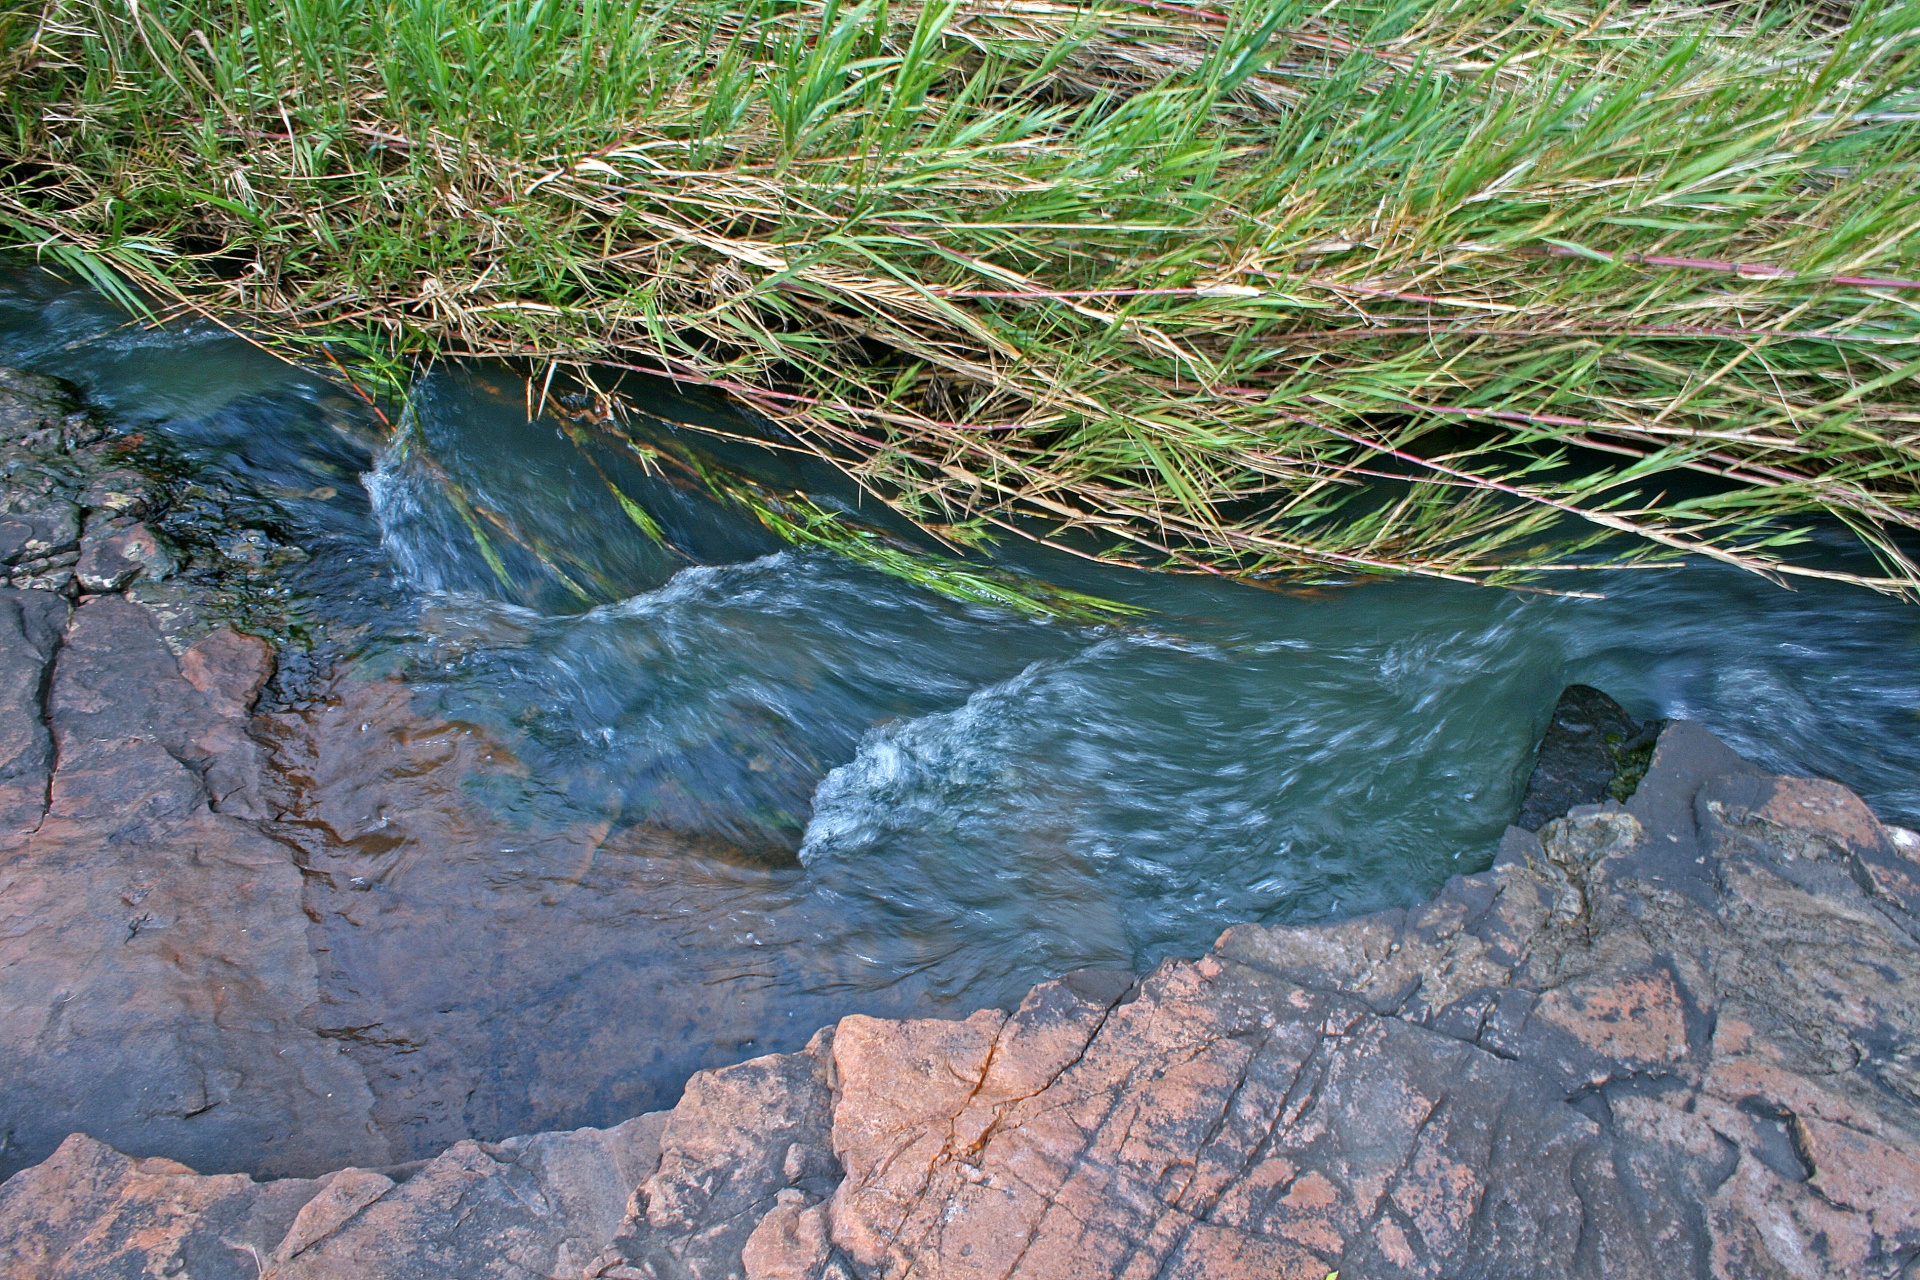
[1431,286]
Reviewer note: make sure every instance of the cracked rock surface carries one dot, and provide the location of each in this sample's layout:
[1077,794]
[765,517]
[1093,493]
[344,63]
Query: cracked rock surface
[1678,1037]
[1671,1038]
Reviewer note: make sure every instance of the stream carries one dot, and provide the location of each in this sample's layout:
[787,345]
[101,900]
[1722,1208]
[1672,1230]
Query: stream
[596,809]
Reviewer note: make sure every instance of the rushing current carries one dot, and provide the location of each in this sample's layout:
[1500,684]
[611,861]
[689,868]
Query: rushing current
[891,802]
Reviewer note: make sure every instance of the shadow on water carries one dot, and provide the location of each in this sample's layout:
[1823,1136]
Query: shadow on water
[594,799]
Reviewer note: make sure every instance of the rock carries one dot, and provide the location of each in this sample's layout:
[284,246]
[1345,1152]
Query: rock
[119,491]
[32,408]
[76,516]
[159,980]
[249,547]
[178,608]
[792,1242]
[740,1137]
[585,1013]
[159,984]
[31,623]
[35,526]
[164,1220]
[1675,1038]
[114,553]
[1678,1035]
[42,465]
[546,1205]
[1593,751]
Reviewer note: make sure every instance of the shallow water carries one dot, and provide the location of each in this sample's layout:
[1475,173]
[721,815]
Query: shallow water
[776,787]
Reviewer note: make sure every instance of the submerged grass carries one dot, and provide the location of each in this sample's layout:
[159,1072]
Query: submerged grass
[802,522]
[1461,288]
[799,520]
[792,515]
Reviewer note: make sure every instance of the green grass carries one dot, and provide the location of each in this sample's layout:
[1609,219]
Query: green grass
[1279,290]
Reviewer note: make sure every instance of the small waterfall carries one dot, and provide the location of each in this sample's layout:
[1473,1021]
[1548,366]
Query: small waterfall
[421,533]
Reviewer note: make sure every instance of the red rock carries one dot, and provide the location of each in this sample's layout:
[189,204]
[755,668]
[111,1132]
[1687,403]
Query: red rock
[113,556]
[91,1211]
[791,1242]
[158,971]
[1636,1019]
[1814,806]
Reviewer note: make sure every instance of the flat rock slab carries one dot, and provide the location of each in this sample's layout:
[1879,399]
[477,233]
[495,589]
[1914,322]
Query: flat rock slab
[156,978]
[155,957]
[1674,1038]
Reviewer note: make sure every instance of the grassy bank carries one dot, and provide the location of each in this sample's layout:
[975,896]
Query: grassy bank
[1274,289]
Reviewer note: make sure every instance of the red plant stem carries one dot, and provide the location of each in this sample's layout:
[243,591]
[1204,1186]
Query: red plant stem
[378,412]
[1755,270]
[942,292]
[1375,291]
[1204,291]
[1586,330]
[750,392]
[741,389]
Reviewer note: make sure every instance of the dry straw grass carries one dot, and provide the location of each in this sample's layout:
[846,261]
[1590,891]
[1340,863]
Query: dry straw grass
[1461,288]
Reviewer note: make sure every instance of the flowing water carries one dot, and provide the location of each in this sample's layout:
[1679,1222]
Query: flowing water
[774,787]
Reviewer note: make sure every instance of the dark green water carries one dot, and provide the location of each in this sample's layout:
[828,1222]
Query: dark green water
[975,800]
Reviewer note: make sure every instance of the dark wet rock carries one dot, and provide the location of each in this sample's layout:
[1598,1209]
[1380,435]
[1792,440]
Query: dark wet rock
[180,609]
[36,526]
[554,972]
[114,553]
[31,623]
[158,979]
[1675,1038]
[36,418]
[1593,751]
[249,547]
[84,511]
[29,405]
[54,469]
[120,491]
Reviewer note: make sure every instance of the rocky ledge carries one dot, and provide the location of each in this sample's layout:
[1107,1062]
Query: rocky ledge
[1674,1037]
